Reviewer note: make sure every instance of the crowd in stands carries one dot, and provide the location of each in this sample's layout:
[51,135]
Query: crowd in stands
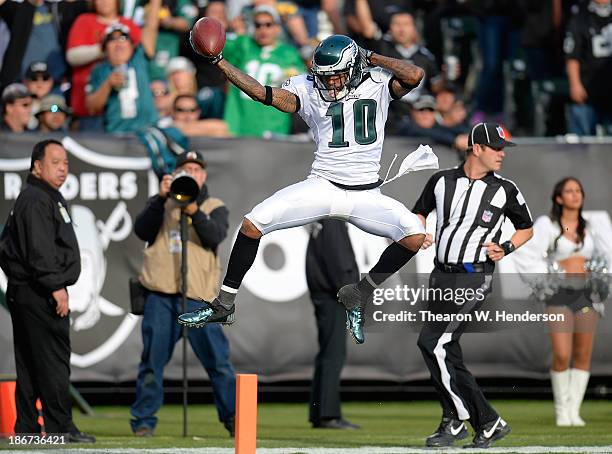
[119,66]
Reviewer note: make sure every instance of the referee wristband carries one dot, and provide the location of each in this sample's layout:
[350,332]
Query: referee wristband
[268,100]
[508,247]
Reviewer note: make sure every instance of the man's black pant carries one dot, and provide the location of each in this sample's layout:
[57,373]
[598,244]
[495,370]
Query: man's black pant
[460,395]
[42,359]
[325,390]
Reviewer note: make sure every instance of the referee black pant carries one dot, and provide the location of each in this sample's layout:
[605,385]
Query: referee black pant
[42,360]
[325,388]
[460,396]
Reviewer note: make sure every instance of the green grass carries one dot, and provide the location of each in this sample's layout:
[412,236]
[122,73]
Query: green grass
[383,424]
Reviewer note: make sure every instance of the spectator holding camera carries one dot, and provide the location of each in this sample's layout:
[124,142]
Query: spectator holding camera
[119,86]
[159,226]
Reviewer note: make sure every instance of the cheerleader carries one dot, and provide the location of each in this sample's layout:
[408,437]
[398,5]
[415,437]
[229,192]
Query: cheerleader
[575,253]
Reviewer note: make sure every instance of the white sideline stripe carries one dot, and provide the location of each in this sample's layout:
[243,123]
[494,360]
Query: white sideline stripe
[440,354]
[362,450]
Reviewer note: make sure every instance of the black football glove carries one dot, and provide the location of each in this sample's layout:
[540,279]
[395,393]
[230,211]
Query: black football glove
[212,60]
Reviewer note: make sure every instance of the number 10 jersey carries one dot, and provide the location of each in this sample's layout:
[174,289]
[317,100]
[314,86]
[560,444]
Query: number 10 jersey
[349,133]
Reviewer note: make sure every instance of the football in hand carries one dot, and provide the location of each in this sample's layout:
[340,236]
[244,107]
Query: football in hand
[208,37]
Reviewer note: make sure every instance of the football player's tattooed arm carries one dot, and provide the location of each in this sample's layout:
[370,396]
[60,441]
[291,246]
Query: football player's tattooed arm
[283,100]
[407,75]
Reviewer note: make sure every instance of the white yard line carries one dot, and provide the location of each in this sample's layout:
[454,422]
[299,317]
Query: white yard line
[362,450]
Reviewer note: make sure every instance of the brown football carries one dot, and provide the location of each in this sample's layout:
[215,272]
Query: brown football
[208,36]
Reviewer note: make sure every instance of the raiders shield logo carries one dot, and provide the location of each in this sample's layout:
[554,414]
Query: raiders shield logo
[487,216]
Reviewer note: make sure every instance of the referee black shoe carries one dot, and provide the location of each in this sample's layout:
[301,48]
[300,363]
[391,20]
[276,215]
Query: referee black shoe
[495,430]
[212,312]
[449,431]
[76,436]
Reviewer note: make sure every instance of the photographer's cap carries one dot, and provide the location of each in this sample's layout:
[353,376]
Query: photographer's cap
[490,134]
[191,156]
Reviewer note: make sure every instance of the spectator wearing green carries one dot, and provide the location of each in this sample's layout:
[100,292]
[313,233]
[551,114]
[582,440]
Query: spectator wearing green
[271,62]
[175,18]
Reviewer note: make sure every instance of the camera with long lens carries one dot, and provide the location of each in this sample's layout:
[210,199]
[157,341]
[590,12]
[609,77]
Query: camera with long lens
[184,188]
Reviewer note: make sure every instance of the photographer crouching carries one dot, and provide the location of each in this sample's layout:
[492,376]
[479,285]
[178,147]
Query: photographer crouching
[159,226]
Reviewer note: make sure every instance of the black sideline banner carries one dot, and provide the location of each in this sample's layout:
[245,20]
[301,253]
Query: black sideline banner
[275,335]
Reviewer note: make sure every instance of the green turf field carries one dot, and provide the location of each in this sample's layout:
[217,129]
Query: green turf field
[383,424]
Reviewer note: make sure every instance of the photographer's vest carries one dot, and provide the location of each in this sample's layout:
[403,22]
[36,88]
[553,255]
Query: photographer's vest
[161,271]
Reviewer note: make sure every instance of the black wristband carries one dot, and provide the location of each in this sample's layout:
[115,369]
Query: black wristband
[268,100]
[508,247]
[405,85]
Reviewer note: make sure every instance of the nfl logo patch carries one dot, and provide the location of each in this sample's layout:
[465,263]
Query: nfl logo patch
[487,216]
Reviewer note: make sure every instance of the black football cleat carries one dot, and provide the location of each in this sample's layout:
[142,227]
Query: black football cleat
[352,299]
[449,431]
[212,312]
[495,430]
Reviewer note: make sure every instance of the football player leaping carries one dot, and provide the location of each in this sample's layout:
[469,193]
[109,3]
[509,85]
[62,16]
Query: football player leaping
[345,103]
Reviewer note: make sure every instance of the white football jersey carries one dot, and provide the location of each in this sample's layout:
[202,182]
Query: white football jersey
[349,133]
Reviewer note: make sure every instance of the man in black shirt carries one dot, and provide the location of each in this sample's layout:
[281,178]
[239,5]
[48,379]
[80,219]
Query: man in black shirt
[330,265]
[355,11]
[588,51]
[402,42]
[471,202]
[39,254]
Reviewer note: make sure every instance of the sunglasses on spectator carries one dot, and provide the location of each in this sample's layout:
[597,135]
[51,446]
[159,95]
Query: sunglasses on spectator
[158,93]
[264,24]
[118,38]
[188,110]
[43,77]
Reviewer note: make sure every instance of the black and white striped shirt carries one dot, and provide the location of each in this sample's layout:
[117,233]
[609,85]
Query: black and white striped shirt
[470,213]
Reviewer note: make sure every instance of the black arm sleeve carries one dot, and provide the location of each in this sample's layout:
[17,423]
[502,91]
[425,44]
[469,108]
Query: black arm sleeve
[211,229]
[574,45]
[7,11]
[517,211]
[149,221]
[338,255]
[427,201]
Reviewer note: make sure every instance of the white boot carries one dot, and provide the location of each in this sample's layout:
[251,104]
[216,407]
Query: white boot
[579,379]
[561,394]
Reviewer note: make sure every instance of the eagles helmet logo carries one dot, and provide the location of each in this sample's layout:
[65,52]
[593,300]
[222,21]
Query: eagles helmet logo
[336,67]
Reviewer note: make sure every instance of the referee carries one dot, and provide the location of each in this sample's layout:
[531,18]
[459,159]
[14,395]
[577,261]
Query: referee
[471,202]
